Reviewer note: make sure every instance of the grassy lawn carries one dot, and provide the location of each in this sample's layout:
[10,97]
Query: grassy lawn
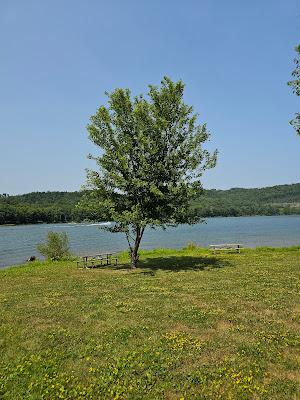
[186,325]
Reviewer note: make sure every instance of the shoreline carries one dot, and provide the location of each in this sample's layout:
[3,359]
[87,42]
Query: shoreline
[164,249]
[17,244]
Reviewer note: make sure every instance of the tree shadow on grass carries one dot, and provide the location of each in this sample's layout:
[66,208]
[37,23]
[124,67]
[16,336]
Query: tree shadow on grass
[179,263]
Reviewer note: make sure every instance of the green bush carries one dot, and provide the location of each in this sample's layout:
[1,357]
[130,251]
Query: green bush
[190,246]
[56,246]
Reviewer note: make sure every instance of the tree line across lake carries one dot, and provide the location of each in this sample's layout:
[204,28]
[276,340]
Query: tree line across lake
[55,207]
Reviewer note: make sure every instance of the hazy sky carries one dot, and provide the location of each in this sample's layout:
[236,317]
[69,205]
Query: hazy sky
[58,57]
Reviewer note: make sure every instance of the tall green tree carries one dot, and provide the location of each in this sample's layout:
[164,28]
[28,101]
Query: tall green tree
[150,161]
[295,84]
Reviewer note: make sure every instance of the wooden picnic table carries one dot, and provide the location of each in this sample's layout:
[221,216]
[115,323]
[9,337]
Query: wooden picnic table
[97,260]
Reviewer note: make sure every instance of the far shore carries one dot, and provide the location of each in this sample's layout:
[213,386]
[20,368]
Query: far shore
[101,222]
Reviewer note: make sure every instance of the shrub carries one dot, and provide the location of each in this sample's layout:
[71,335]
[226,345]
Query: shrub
[191,246]
[56,246]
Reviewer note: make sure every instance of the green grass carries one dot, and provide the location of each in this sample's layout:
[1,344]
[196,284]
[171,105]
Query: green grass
[186,325]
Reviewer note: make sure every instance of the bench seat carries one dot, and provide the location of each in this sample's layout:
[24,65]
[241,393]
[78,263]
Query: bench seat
[226,247]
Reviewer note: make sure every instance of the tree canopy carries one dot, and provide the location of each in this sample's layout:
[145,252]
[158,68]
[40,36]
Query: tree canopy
[295,84]
[151,160]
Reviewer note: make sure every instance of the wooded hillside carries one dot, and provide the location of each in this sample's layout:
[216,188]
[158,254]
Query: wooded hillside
[281,199]
[55,207]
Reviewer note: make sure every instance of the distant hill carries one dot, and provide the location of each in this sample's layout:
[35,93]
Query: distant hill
[281,199]
[50,207]
[38,207]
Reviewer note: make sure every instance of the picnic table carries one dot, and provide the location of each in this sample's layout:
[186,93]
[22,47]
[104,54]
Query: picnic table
[97,260]
[226,247]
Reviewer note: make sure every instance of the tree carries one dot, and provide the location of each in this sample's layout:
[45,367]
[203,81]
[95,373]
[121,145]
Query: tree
[151,163]
[295,84]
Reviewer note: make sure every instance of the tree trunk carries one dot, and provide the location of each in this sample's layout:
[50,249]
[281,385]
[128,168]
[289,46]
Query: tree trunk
[134,258]
[134,249]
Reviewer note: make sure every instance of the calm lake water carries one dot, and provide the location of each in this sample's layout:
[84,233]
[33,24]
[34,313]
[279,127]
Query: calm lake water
[17,243]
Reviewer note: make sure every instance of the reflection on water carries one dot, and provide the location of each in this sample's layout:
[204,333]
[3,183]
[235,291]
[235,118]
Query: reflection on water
[17,243]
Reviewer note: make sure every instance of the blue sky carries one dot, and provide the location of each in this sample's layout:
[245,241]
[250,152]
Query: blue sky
[58,58]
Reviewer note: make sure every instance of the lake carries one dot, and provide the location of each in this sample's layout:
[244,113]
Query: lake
[18,243]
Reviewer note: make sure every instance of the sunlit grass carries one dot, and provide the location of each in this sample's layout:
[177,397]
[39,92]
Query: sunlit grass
[187,324]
